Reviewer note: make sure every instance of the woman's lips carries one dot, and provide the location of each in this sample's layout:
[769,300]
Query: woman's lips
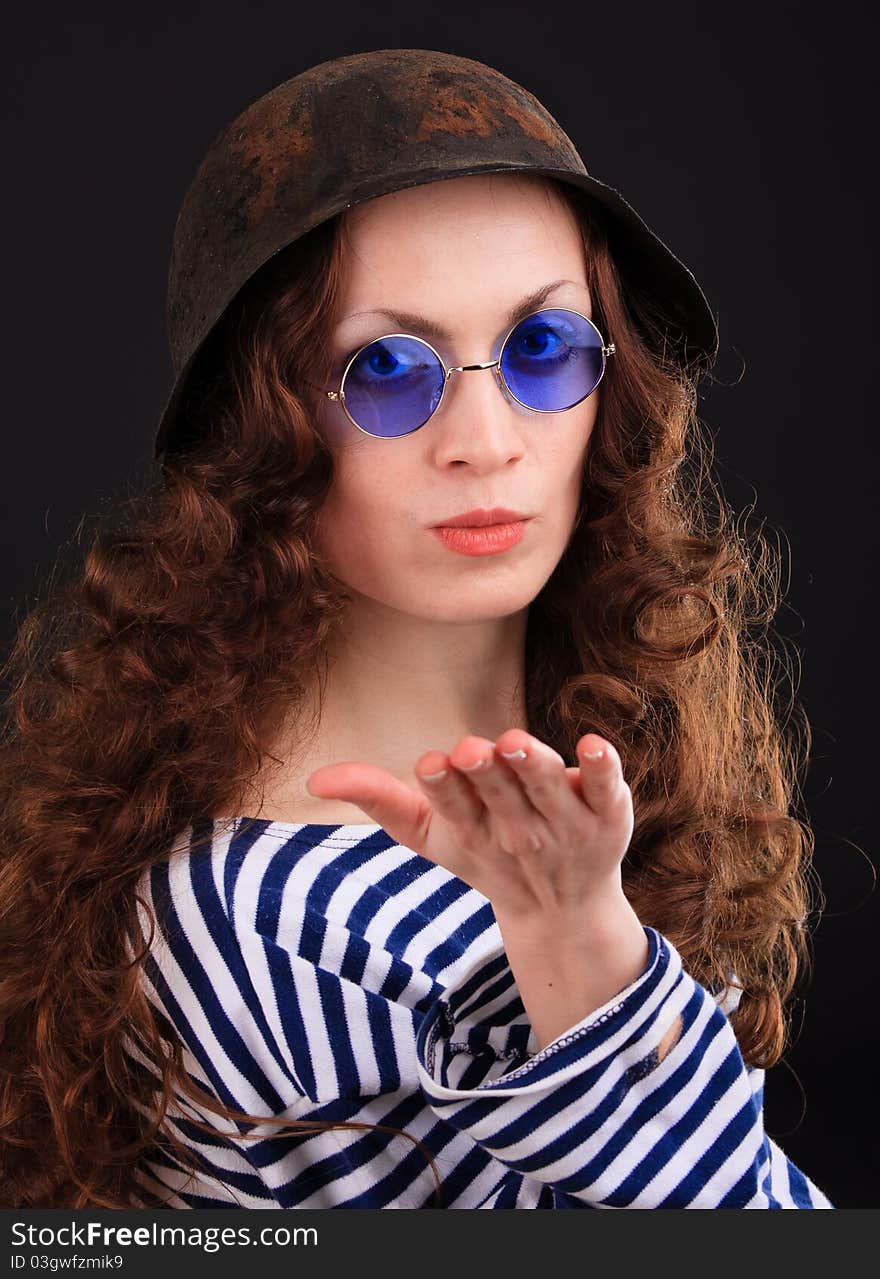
[491,539]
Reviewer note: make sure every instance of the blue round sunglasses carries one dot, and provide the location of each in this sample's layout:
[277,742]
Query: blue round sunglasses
[549,361]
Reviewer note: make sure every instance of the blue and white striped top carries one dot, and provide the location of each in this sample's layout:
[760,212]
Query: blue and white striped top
[325,972]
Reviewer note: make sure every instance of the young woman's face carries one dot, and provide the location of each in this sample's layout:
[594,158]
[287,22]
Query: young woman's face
[462,253]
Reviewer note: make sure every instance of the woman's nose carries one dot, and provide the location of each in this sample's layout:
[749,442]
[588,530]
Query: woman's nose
[475,419]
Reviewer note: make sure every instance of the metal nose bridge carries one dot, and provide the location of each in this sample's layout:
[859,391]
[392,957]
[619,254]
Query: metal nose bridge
[466,368]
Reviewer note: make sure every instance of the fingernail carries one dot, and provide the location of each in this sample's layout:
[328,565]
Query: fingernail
[593,754]
[514,754]
[471,768]
[434,777]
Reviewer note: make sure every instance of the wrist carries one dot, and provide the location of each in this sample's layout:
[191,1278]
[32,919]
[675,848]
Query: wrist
[604,917]
[568,967]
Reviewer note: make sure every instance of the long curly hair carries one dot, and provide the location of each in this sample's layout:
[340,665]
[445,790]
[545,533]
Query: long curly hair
[142,691]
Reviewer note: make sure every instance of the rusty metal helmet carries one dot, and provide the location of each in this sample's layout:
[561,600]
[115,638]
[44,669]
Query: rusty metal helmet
[362,126]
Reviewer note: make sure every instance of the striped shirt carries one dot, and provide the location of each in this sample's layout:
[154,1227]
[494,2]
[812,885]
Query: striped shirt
[325,972]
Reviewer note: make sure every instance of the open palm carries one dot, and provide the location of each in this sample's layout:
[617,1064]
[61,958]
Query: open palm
[529,833]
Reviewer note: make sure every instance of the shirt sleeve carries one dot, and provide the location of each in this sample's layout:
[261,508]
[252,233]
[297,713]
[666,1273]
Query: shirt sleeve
[596,1114]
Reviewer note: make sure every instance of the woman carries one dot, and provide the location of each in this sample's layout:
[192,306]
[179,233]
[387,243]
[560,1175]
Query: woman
[354,856]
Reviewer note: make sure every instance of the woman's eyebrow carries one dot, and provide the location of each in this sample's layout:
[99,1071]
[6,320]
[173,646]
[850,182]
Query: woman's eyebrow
[406,320]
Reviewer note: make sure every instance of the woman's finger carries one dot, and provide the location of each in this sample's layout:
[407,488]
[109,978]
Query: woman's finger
[401,811]
[543,776]
[448,787]
[520,829]
[602,781]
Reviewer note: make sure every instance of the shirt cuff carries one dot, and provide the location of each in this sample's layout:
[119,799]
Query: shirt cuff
[467,1046]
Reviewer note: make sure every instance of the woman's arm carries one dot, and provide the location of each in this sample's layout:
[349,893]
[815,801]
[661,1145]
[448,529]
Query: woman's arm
[601,1114]
[605,1110]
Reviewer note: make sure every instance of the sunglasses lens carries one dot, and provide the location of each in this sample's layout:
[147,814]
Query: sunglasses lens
[393,386]
[552,360]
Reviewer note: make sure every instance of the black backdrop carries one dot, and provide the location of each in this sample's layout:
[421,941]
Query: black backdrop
[740,132]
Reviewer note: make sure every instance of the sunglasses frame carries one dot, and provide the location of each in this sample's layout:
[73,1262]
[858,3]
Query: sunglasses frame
[339,396]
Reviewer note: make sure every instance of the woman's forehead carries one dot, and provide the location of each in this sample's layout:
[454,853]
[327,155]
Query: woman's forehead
[464,200]
[503,236]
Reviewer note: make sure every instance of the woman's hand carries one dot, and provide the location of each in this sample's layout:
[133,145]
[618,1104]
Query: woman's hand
[541,841]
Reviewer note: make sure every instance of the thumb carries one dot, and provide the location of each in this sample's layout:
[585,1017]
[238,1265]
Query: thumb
[403,812]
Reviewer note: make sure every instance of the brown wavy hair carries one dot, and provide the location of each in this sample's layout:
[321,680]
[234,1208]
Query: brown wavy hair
[142,692]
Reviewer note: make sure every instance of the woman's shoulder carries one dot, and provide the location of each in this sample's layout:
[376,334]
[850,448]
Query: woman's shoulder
[300,950]
[321,892]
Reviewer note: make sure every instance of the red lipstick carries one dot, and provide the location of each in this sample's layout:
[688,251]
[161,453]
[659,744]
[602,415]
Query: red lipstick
[480,518]
[482,532]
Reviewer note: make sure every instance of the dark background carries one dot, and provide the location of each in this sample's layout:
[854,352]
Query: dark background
[742,135]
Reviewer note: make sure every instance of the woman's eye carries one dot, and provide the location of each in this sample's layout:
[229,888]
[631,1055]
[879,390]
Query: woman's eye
[539,340]
[380,360]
